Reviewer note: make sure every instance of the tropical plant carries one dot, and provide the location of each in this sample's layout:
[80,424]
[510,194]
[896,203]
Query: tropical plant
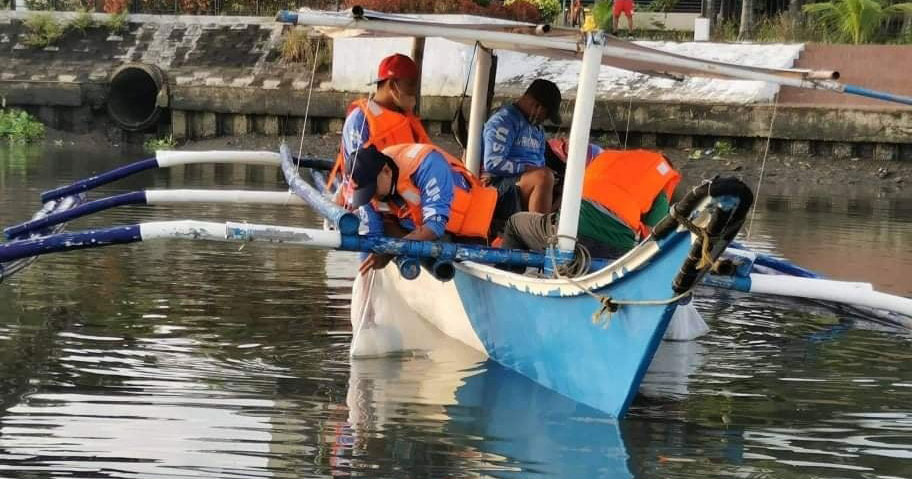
[38,4]
[548,9]
[42,29]
[82,22]
[155,144]
[725,31]
[19,127]
[662,6]
[195,6]
[723,148]
[785,28]
[115,6]
[601,12]
[855,21]
[118,22]
[299,47]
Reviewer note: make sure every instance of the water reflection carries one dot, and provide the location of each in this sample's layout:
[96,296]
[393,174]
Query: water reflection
[175,360]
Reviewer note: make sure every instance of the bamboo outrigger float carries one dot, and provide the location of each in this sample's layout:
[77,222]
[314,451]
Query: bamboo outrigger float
[590,334]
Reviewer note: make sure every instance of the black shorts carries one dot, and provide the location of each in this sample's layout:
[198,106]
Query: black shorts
[509,202]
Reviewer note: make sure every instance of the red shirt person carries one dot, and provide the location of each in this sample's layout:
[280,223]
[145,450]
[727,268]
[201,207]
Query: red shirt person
[623,7]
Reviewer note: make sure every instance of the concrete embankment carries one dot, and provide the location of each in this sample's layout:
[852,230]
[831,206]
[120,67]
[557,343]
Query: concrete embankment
[200,77]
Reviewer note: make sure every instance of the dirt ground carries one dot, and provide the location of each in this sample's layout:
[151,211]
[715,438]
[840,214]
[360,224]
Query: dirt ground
[782,174]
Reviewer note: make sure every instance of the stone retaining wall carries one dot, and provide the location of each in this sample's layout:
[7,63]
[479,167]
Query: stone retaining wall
[225,77]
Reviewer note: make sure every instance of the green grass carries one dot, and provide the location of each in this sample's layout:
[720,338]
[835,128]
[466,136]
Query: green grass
[42,30]
[117,23]
[723,148]
[155,144]
[17,126]
[82,22]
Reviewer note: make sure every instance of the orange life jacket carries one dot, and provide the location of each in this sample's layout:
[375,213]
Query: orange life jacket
[626,182]
[471,211]
[387,127]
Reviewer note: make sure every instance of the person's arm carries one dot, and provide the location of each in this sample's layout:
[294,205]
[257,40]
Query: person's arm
[498,137]
[434,179]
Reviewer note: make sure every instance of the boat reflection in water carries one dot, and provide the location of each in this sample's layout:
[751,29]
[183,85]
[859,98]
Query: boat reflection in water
[497,422]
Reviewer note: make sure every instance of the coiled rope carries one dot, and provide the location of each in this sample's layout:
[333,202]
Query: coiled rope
[580,264]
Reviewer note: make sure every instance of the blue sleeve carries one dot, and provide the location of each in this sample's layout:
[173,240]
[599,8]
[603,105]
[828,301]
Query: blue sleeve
[498,137]
[594,150]
[434,178]
[371,221]
[355,132]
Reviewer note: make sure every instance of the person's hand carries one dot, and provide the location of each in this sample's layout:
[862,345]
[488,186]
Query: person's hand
[374,261]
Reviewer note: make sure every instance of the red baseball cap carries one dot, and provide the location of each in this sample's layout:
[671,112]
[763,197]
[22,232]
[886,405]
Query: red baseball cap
[397,66]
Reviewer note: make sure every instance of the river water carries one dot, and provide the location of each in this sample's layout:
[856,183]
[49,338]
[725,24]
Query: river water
[176,359]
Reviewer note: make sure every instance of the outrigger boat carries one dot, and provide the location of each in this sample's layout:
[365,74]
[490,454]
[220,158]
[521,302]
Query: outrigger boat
[587,329]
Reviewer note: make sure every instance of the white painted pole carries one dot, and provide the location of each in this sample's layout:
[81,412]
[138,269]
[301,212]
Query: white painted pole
[163,197]
[579,145]
[858,294]
[522,42]
[479,111]
[233,231]
[168,158]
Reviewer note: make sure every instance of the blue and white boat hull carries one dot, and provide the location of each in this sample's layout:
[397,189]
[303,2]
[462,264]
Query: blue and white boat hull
[544,328]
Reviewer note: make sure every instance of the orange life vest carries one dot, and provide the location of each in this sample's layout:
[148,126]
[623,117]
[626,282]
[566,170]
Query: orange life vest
[387,127]
[626,182]
[471,211]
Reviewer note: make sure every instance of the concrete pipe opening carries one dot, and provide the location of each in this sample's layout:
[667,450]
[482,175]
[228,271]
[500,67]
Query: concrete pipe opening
[134,97]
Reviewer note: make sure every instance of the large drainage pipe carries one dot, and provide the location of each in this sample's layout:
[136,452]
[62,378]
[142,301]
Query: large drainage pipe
[137,95]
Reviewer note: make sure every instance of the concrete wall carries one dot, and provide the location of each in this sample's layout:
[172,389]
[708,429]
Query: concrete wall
[225,77]
[666,21]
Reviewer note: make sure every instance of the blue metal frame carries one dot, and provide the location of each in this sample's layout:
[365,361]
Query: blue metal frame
[69,242]
[346,222]
[98,180]
[370,244]
[132,198]
[878,95]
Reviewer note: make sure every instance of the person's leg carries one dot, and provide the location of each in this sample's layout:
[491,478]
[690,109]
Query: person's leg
[616,11]
[536,188]
[531,231]
[601,250]
[629,22]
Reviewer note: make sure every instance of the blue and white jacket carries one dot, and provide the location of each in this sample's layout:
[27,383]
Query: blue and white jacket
[512,144]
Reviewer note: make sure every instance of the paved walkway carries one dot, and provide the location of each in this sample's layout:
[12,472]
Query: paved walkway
[878,67]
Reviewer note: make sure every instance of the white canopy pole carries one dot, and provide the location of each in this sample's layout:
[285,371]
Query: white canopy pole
[478,113]
[579,145]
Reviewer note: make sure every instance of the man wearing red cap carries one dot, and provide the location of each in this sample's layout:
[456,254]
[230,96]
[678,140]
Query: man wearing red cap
[385,119]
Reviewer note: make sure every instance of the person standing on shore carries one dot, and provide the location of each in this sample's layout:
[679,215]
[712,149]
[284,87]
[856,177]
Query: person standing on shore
[625,7]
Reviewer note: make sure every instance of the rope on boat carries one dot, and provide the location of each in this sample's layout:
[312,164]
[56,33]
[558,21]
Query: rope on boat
[701,257]
[313,78]
[582,259]
[766,150]
[706,259]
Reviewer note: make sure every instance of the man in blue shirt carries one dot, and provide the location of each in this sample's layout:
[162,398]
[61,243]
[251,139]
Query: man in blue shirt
[514,147]
[376,177]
